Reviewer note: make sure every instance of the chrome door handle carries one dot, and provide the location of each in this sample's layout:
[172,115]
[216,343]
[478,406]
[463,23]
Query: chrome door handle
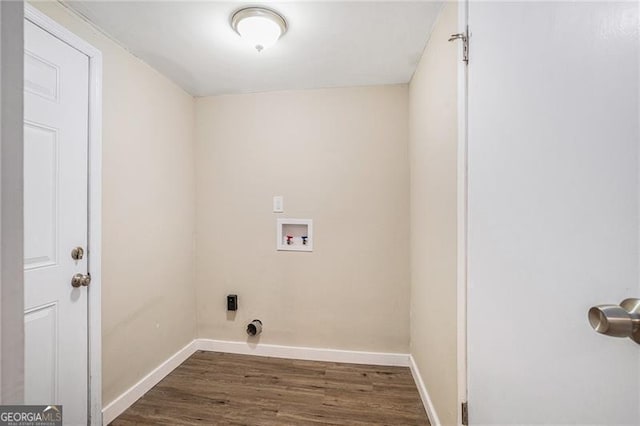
[80,280]
[617,320]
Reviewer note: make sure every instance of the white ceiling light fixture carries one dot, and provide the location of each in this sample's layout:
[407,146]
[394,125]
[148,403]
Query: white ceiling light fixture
[259,26]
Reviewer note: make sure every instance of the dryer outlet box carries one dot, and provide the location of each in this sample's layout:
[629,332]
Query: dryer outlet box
[232,302]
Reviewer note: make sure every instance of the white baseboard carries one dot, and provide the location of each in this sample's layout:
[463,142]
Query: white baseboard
[135,392]
[309,354]
[424,395]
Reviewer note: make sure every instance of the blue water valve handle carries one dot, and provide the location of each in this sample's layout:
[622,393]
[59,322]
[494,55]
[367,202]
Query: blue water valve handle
[304,240]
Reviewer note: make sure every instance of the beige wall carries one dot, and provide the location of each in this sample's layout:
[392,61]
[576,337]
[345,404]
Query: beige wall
[148,295]
[339,157]
[433,159]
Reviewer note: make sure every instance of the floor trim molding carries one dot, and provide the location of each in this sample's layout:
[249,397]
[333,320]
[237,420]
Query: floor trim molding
[309,354]
[424,395]
[135,392]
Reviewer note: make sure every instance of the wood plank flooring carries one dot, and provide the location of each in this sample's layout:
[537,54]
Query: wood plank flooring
[213,388]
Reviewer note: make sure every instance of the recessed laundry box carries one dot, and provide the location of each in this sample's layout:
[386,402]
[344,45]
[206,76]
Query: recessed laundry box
[294,234]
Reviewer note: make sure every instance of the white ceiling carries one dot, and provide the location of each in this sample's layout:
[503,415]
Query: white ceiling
[328,44]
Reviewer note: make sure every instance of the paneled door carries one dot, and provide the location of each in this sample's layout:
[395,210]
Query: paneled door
[55,224]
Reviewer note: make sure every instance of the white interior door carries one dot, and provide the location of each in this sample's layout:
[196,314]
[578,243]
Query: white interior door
[553,210]
[55,214]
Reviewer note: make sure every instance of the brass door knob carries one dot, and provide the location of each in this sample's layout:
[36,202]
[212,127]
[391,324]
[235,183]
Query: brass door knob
[80,280]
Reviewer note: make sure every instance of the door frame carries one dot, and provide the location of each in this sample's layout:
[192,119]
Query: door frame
[94,213]
[462,220]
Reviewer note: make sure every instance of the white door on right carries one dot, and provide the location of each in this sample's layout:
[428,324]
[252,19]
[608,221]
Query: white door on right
[554,137]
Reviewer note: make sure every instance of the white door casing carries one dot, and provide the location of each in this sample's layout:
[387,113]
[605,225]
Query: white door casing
[462,210]
[553,210]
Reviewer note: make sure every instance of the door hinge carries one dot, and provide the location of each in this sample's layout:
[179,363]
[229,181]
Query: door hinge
[465,43]
[465,413]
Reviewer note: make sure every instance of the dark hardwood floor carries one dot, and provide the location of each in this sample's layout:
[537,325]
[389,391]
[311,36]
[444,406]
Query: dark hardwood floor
[213,388]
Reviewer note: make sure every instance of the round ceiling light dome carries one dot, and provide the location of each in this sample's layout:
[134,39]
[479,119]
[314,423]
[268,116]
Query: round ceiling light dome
[259,26]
